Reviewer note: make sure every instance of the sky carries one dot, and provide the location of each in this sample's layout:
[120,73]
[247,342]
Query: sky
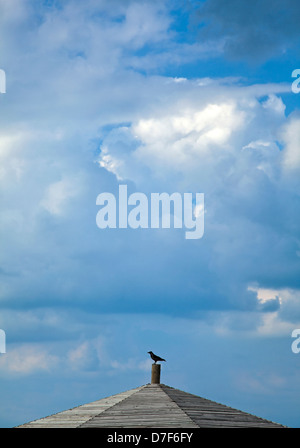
[161,96]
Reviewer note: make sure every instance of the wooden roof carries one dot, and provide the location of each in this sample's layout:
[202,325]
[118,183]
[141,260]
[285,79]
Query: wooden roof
[152,406]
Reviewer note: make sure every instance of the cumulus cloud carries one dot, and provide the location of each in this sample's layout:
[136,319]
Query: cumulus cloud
[205,132]
[291,138]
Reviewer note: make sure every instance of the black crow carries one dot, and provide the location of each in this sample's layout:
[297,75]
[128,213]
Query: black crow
[155,357]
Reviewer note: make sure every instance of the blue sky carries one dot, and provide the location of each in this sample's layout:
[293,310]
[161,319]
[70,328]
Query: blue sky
[162,96]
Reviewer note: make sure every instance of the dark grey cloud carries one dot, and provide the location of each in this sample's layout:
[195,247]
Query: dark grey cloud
[252,30]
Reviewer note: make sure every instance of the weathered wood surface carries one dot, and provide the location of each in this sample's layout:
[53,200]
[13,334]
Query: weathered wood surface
[72,418]
[152,406]
[207,414]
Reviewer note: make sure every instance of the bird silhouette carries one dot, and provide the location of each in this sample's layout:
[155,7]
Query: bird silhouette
[156,358]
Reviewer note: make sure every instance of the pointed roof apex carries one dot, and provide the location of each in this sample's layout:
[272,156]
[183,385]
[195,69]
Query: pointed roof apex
[152,406]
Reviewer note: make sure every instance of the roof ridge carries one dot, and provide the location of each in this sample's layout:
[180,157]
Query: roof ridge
[182,410]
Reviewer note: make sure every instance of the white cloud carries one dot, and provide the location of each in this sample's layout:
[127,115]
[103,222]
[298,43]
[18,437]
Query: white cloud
[199,132]
[291,138]
[26,359]
[273,325]
[274,103]
[79,357]
[265,294]
[58,194]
